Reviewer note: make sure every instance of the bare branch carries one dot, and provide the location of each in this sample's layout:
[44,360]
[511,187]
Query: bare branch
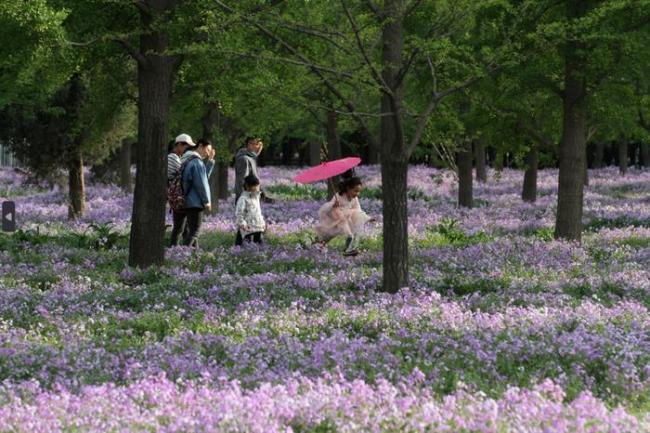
[375,10]
[326,36]
[375,74]
[643,123]
[421,124]
[340,74]
[591,132]
[434,77]
[131,50]
[83,44]
[424,118]
[412,8]
[326,81]
[142,6]
[534,133]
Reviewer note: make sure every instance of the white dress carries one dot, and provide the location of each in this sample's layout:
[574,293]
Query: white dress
[346,219]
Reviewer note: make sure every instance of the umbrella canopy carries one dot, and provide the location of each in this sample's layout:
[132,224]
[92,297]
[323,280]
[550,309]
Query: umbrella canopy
[326,170]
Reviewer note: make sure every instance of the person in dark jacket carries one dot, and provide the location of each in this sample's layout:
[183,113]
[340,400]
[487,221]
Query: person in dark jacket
[246,163]
[196,188]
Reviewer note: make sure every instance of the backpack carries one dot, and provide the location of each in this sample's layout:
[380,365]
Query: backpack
[175,193]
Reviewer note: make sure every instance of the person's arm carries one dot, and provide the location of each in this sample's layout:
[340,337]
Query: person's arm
[241,171]
[173,165]
[209,167]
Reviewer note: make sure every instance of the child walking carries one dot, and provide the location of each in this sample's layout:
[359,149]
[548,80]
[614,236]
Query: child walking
[248,213]
[342,216]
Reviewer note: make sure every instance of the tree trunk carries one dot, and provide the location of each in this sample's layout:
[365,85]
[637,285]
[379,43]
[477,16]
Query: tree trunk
[479,154]
[622,157]
[125,165]
[465,181]
[599,155]
[529,190]
[644,154]
[333,147]
[314,152]
[155,76]
[373,155]
[498,161]
[209,122]
[222,180]
[76,188]
[394,160]
[568,223]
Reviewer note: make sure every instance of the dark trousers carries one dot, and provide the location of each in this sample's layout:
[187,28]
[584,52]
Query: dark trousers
[194,219]
[179,226]
[253,237]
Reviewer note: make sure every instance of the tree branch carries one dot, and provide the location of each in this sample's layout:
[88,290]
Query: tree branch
[412,8]
[131,50]
[142,6]
[375,74]
[375,10]
[421,124]
[330,86]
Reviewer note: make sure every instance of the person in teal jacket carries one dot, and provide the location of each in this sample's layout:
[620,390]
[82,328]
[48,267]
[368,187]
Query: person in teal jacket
[196,187]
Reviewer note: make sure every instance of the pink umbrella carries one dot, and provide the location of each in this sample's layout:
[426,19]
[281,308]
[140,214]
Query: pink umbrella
[326,170]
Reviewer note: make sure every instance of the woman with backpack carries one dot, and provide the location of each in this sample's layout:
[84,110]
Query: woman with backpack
[189,191]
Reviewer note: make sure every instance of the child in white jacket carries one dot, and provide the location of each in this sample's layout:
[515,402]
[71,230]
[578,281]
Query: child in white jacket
[248,213]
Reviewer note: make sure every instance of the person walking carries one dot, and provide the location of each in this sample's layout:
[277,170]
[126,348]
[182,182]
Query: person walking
[177,148]
[196,189]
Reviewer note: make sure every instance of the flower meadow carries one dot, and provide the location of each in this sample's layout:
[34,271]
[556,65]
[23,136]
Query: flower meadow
[502,328]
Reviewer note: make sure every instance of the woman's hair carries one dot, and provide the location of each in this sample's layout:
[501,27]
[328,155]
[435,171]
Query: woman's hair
[203,142]
[250,140]
[250,181]
[170,146]
[349,181]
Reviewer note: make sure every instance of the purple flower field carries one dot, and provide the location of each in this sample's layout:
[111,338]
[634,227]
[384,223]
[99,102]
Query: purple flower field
[502,329]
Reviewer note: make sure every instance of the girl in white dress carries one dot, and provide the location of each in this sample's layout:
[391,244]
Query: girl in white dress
[342,216]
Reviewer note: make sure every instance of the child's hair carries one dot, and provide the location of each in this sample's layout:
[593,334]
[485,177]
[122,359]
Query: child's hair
[250,181]
[349,181]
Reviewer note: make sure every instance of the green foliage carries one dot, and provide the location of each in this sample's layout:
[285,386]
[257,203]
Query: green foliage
[447,232]
[598,224]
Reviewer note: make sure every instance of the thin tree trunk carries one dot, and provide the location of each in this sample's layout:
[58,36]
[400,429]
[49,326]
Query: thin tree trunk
[222,180]
[599,155]
[498,160]
[586,170]
[125,165]
[333,147]
[314,152]
[76,188]
[568,223]
[222,167]
[155,76]
[209,122]
[622,157]
[465,181]
[394,160]
[644,154]
[479,155]
[529,190]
